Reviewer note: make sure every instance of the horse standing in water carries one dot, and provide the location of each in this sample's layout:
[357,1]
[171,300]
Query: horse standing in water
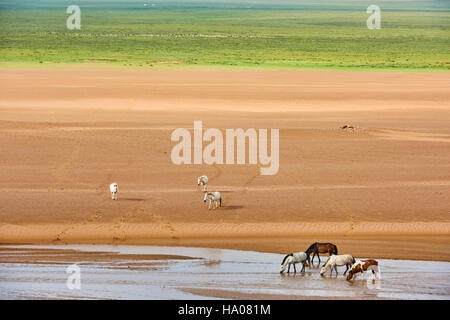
[334,261]
[293,258]
[317,248]
[362,266]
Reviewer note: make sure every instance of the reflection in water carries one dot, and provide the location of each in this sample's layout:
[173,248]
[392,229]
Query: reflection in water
[229,270]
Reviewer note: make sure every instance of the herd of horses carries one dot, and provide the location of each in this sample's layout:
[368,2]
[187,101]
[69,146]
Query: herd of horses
[334,260]
[215,199]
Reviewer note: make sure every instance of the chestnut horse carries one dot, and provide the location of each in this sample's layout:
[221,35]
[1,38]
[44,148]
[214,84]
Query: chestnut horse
[317,248]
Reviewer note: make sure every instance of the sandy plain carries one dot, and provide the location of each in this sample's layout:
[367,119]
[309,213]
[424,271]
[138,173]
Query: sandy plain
[380,190]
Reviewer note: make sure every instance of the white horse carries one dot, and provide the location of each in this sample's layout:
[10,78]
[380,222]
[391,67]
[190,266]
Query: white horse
[293,258]
[202,180]
[337,260]
[114,188]
[213,197]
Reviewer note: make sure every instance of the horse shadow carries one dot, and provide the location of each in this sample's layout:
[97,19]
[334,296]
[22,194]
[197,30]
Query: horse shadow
[133,199]
[232,207]
[221,191]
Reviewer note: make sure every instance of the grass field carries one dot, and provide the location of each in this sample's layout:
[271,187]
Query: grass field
[414,35]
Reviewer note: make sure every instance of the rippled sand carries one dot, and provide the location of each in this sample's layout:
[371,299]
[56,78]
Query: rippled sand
[67,134]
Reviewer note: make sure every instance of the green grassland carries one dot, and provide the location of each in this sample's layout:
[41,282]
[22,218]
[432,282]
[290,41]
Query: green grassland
[415,35]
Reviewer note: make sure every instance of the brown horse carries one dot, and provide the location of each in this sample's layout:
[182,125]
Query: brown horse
[317,248]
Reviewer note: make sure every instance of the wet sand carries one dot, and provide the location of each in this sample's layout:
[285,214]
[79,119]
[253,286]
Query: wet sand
[380,190]
[144,272]
[70,256]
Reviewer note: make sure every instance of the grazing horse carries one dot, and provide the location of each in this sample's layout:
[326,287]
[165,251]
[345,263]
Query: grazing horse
[213,197]
[334,261]
[362,266]
[114,188]
[317,248]
[202,180]
[293,258]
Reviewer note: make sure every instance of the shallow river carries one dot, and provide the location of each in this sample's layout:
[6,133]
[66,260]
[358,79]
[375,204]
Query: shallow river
[251,273]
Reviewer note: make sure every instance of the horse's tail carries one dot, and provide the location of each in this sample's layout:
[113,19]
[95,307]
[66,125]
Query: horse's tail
[284,259]
[335,249]
[220,201]
[353,259]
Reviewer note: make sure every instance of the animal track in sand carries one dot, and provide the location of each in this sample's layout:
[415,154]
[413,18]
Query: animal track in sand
[159,202]
[344,210]
[164,222]
[117,229]
[249,181]
[95,216]
[347,212]
[293,179]
[338,204]
[161,220]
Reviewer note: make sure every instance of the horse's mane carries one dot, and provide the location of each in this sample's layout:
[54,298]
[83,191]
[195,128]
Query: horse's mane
[311,247]
[326,262]
[289,255]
